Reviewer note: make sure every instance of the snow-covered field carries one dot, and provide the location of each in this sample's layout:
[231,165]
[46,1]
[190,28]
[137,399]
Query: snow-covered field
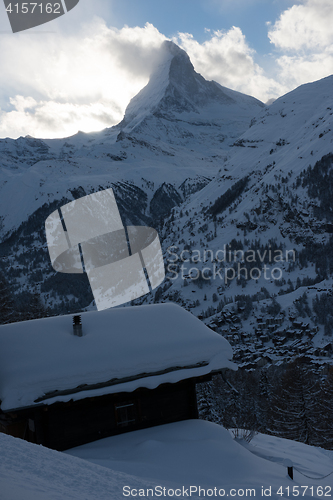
[178,456]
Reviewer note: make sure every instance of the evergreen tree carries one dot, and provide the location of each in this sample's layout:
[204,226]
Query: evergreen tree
[206,403]
[325,403]
[240,407]
[33,307]
[295,411]
[263,402]
[7,312]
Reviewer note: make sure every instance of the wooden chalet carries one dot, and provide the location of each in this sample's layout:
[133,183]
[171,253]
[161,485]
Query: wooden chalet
[66,381]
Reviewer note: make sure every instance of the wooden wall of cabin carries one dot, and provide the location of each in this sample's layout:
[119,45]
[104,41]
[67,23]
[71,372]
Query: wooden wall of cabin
[25,424]
[66,425]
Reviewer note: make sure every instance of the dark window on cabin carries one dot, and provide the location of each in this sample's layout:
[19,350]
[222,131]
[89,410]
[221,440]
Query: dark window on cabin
[125,414]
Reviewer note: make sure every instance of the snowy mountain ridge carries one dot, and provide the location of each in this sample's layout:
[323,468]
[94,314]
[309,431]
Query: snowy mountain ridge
[288,135]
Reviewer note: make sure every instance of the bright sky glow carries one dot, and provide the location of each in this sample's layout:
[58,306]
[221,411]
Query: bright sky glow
[80,71]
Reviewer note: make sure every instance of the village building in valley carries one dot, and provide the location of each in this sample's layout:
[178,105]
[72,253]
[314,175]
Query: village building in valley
[69,380]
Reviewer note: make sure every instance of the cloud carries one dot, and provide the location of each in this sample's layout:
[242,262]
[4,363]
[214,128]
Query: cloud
[56,84]
[46,118]
[298,69]
[304,32]
[227,59]
[306,26]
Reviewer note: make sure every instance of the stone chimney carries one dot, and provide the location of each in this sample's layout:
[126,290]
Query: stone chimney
[77,326]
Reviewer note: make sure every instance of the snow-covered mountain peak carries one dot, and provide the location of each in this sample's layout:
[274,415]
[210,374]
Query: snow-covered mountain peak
[173,86]
[179,103]
[149,97]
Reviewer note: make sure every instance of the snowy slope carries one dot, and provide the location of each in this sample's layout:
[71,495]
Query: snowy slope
[194,453]
[295,131]
[273,209]
[31,472]
[200,453]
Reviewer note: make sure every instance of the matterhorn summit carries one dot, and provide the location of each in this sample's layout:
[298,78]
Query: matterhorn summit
[179,102]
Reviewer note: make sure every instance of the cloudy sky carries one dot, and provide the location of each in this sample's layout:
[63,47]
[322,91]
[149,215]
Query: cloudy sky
[80,71]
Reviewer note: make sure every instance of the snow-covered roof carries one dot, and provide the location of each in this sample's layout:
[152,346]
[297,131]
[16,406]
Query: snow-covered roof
[42,362]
